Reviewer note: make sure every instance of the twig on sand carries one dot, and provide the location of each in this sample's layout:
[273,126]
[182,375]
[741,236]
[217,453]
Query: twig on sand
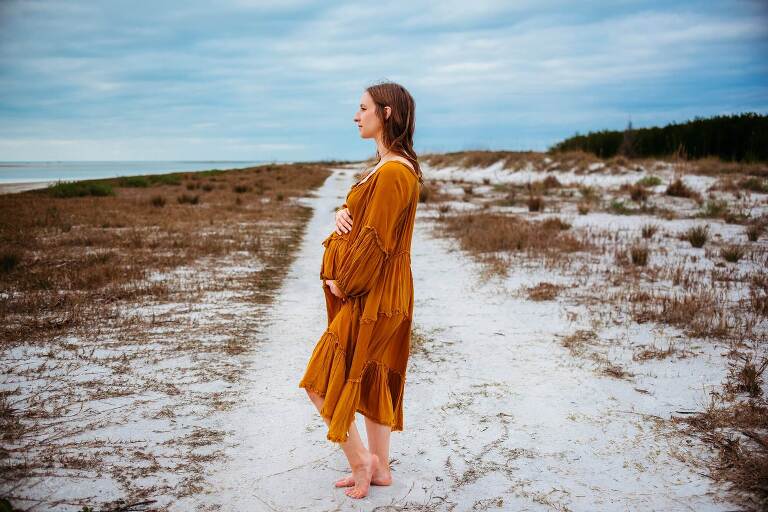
[296,467]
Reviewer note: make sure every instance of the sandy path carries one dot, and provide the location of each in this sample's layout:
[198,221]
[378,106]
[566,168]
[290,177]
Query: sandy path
[498,415]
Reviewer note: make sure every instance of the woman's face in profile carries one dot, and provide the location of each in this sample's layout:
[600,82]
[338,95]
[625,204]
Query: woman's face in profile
[365,118]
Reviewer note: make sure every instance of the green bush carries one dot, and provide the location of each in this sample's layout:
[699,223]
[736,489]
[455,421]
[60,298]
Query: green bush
[715,209]
[619,207]
[133,181]
[649,181]
[165,179]
[79,189]
[211,172]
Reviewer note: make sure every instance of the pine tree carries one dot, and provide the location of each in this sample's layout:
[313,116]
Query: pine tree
[627,147]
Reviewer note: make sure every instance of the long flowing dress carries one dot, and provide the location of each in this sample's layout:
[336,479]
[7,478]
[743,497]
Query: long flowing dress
[359,362]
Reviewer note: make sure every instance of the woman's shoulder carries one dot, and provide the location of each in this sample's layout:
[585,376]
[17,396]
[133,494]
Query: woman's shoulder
[395,166]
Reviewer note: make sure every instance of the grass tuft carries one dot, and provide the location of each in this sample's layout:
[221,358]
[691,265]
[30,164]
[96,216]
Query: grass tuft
[697,235]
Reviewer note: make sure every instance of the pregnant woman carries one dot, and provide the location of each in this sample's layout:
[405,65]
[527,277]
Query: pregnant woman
[359,363]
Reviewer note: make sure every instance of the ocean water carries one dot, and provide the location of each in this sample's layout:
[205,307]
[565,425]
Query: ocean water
[18,172]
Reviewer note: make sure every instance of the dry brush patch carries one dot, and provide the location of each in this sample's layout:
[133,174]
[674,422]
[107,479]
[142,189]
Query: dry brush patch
[67,260]
[480,158]
[708,304]
[492,237]
[707,286]
[738,434]
[124,319]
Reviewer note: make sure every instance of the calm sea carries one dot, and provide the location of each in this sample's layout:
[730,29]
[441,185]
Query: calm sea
[17,172]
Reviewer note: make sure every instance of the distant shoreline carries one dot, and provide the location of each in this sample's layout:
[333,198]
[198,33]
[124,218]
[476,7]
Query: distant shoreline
[22,176]
[13,188]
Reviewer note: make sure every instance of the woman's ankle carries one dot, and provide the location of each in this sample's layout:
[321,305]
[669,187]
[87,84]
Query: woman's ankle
[361,460]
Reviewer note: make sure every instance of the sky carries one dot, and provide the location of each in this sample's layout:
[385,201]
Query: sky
[282,79]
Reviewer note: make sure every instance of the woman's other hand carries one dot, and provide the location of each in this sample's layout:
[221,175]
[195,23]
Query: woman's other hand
[334,289]
[343,221]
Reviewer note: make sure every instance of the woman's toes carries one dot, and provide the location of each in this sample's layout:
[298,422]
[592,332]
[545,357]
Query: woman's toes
[345,482]
[355,493]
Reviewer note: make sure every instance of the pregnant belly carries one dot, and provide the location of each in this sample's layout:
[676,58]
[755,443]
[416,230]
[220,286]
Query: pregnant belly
[335,248]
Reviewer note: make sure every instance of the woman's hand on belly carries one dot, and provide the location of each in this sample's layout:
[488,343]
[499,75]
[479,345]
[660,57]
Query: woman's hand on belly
[343,221]
[334,289]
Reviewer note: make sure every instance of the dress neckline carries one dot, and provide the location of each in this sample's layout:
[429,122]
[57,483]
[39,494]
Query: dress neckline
[379,167]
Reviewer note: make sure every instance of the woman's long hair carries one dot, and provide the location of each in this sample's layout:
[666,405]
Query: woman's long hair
[399,127]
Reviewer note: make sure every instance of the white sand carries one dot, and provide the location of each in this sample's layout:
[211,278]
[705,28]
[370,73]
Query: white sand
[498,415]
[11,188]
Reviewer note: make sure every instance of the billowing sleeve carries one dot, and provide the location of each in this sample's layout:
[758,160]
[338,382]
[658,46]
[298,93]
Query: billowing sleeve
[376,240]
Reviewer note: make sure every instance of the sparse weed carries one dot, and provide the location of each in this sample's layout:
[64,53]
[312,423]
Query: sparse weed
[697,235]
[639,255]
[732,253]
[188,199]
[648,230]
[535,204]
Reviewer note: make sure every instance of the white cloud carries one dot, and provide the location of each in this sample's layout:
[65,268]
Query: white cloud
[291,73]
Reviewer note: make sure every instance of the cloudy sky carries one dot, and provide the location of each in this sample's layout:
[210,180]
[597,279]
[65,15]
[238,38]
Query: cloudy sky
[281,79]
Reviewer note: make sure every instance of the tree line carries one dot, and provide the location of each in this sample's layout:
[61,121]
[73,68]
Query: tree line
[741,138]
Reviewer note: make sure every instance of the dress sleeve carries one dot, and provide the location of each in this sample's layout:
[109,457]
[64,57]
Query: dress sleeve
[377,238]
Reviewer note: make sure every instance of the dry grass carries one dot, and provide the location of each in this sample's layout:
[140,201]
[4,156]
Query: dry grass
[585,344]
[483,234]
[713,166]
[697,236]
[480,158]
[134,294]
[709,301]
[580,162]
[679,189]
[753,232]
[431,193]
[639,254]
[543,291]
[637,193]
[702,312]
[746,375]
[737,433]
[732,253]
[535,204]
[64,261]
[647,353]
[648,230]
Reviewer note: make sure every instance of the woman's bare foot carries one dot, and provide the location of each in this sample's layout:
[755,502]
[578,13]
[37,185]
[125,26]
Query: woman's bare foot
[362,477]
[382,475]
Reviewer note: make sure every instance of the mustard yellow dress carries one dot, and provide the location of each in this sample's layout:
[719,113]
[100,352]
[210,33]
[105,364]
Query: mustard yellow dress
[360,361]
